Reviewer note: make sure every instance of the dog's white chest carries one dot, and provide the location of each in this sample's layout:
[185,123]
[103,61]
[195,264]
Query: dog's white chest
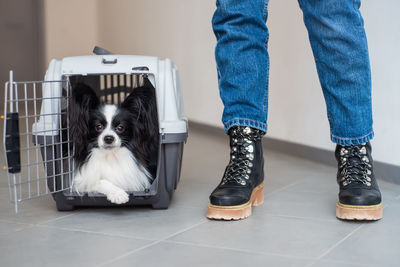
[117,166]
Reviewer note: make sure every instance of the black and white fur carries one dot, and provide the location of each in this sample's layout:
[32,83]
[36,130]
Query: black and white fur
[114,146]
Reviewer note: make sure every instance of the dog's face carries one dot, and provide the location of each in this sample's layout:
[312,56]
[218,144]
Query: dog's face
[133,124]
[110,127]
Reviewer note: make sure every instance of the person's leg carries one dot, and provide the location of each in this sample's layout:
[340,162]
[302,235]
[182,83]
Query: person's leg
[242,64]
[339,44]
[338,40]
[242,61]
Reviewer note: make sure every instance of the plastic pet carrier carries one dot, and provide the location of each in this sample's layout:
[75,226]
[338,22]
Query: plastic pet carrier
[38,150]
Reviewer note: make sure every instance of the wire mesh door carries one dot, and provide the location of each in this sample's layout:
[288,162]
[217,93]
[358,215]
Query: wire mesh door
[38,152]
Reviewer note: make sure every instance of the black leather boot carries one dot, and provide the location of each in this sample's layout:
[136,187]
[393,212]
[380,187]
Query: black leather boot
[242,185]
[359,195]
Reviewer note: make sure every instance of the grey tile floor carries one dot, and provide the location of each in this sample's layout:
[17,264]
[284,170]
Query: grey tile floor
[296,226]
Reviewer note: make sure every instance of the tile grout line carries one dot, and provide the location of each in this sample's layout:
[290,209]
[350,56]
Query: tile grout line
[59,218]
[312,219]
[92,232]
[152,243]
[15,222]
[238,250]
[284,187]
[336,245]
[24,226]
[347,262]
[38,223]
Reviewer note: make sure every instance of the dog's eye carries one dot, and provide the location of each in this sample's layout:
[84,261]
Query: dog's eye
[99,127]
[120,128]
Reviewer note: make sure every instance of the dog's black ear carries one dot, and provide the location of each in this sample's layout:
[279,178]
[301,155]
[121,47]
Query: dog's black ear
[147,83]
[142,104]
[83,101]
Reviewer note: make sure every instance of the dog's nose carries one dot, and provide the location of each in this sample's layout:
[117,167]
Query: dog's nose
[108,139]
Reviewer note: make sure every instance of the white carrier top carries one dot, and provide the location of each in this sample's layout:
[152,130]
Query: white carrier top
[163,74]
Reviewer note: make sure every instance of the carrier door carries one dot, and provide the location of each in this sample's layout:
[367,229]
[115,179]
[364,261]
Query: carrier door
[38,152]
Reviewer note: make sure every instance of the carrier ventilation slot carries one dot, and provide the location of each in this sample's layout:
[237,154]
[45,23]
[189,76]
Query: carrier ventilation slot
[114,88]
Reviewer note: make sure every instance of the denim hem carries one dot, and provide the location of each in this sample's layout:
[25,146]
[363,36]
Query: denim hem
[245,122]
[352,141]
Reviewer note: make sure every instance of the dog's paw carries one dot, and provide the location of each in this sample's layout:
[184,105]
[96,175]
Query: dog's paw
[118,197]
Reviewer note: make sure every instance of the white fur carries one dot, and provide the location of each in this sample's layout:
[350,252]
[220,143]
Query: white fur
[111,172]
[109,112]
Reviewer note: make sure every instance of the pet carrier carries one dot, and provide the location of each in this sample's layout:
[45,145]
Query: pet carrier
[38,150]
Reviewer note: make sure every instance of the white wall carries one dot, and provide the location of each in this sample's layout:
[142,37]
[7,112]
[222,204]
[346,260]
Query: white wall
[297,111]
[178,29]
[181,30]
[70,28]
[382,23]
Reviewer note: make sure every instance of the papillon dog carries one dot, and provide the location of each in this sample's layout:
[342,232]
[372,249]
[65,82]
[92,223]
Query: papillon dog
[115,147]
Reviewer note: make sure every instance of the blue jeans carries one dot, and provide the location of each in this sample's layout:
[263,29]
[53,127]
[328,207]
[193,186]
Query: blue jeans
[337,37]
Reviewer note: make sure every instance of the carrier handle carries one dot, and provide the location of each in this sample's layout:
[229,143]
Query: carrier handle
[12,143]
[101,51]
[108,60]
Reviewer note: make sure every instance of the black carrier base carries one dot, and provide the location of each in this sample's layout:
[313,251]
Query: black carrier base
[158,196]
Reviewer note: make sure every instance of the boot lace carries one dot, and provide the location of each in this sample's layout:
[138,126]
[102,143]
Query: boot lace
[354,165]
[242,154]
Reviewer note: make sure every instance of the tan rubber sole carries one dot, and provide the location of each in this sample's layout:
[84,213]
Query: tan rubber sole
[237,212]
[354,212]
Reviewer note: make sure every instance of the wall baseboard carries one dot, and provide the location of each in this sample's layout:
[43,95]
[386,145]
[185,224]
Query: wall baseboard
[384,171]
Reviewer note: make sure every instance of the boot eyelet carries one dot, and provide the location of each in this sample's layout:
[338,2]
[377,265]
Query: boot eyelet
[242,156]
[355,168]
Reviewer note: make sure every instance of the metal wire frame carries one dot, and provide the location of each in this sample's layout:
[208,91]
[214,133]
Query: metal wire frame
[46,164]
